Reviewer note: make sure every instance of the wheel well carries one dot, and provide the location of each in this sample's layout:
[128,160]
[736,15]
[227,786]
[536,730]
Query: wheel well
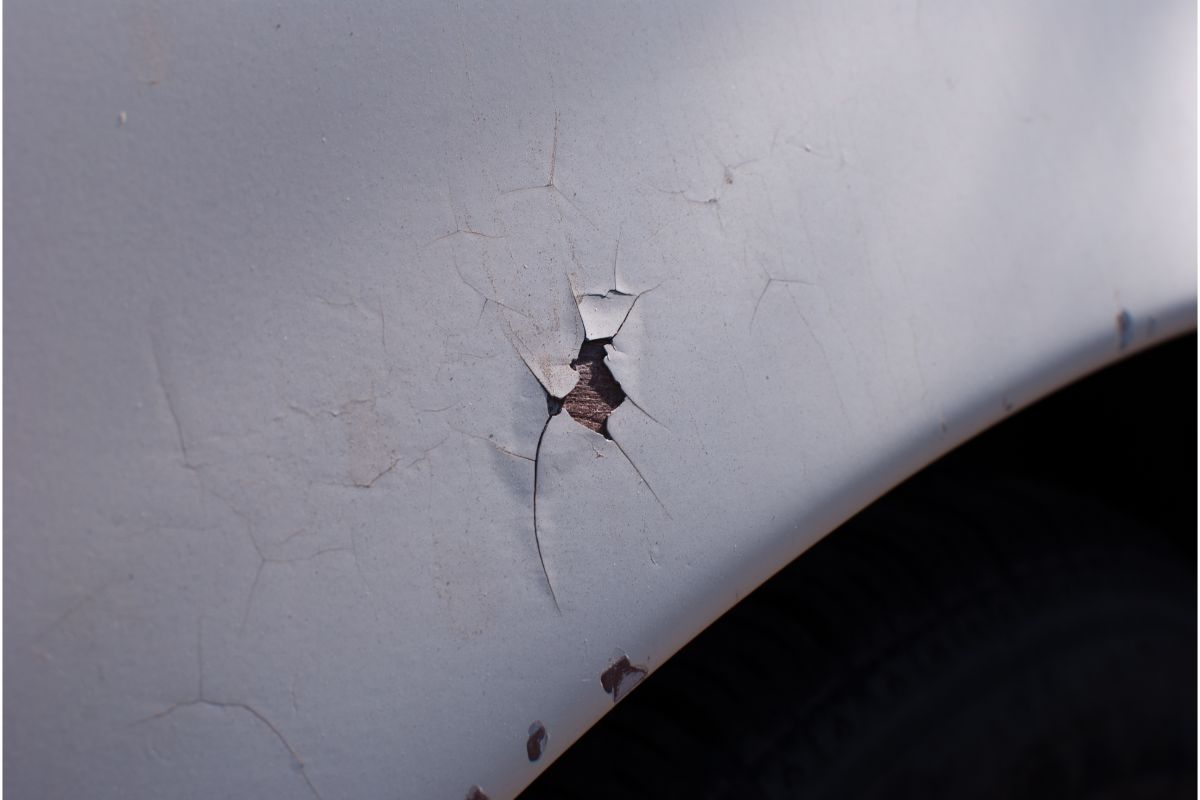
[1119,444]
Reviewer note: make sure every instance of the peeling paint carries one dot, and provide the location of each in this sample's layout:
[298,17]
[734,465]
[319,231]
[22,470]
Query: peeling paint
[603,314]
[594,394]
[542,342]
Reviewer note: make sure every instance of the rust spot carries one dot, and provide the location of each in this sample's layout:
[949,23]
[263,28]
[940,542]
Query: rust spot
[597,393]
[536,743]
[616,675]
[475,793]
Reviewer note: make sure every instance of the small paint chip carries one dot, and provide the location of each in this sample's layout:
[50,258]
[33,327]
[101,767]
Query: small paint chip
[475,793]
[536,744]
[617,675]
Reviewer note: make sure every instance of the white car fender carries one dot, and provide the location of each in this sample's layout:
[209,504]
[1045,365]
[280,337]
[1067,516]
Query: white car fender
[294,507]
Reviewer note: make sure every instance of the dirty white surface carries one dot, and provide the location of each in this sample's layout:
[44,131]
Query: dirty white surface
[284,283]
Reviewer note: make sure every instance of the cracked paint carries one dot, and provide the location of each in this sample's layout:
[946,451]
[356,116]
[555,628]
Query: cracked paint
[593,399]
[200,699]
[554,406]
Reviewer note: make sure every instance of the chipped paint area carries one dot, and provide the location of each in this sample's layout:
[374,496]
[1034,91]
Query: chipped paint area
[535,745]
[597,394]
[621,675]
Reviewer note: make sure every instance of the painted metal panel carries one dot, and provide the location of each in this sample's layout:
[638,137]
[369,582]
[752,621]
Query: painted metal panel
[288,513]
